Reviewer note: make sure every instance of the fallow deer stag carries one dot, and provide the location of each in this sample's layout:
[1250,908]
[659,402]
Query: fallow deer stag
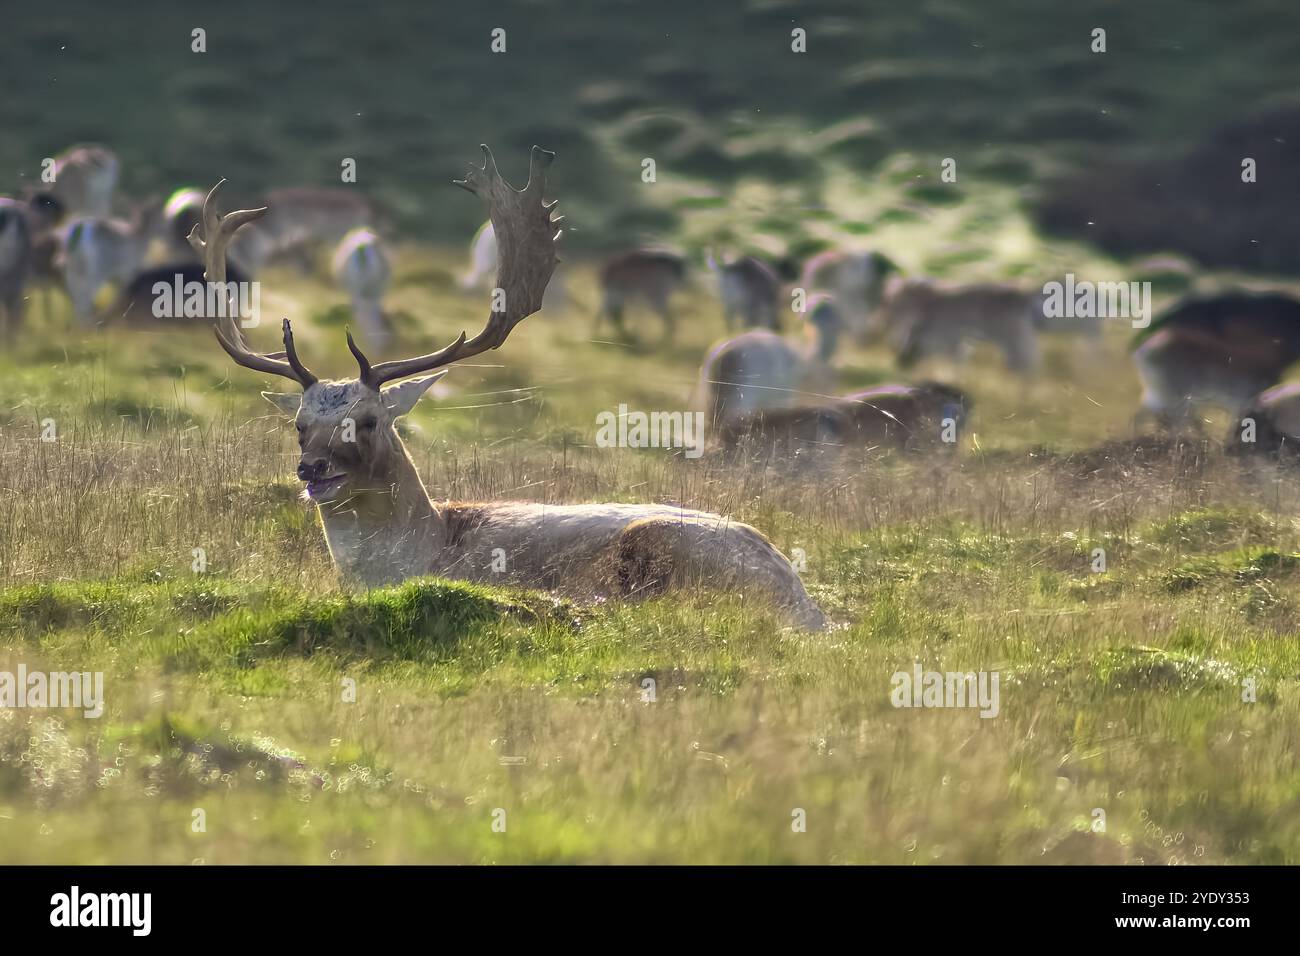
[379,521]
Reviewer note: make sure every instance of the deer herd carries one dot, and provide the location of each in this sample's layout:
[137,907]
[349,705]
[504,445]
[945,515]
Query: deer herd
[768,395]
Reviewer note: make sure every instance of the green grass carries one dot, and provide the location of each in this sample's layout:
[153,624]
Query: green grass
[313,725]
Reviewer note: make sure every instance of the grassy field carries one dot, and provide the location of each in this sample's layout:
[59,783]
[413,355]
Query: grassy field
[1121,691]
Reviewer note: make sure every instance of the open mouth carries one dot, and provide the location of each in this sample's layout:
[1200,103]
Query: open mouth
[319,486]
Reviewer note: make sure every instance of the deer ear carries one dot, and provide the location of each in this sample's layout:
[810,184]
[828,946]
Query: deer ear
[400,399]
[288,403]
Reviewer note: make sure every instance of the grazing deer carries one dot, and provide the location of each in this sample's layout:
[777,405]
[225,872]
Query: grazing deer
[750,290]
[84,180]
[379,521]
[15,265]
[361,267]
[760,369]
[926,319]
[43,214]
[1222,350]
[94,252]
[856,280]
[899,417]
[646,274]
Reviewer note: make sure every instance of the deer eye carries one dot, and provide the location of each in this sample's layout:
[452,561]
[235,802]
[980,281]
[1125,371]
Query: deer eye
[366,423]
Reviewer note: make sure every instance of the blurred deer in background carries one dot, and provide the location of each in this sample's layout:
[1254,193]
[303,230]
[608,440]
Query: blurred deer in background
[760,369]
[750,290]
[85,178]
[379,521]
[94,252]
[898,417]
[926,319]
[1221,349]
[15,265]
[648,275]
[361,267]
[856,280]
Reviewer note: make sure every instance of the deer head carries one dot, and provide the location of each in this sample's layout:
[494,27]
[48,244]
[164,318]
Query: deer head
[345,428]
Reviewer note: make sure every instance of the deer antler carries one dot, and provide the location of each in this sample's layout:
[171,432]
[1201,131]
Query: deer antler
[526,235]
[210,237]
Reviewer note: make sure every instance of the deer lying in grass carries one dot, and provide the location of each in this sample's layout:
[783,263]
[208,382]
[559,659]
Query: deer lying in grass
[379,521]
[749,289]
[84,180]
[760,369]
[927,319]
[898,417]
[649,275]
[361,267]
[1223,350]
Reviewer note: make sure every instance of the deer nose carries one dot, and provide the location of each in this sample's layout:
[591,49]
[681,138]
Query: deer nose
[313,470]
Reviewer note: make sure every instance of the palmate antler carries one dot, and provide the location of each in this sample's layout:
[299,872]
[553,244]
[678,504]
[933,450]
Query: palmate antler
[526,236]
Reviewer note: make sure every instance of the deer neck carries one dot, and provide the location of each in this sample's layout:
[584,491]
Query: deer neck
[387,529]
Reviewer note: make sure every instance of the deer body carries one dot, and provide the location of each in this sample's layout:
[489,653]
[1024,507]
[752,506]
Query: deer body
[15,265]
[84,180]
[95,252]
[900,417]
[379,521]
[749,289]
[383,535]
[761,370]
[361,267]
[1222,349]
[856,280]
[1276,414]
[929,319]
[649,275]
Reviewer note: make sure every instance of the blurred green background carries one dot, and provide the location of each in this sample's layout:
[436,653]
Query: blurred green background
[711,91]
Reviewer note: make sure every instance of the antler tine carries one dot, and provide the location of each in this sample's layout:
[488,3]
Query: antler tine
[210,237]
[526,236]
[362,362]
